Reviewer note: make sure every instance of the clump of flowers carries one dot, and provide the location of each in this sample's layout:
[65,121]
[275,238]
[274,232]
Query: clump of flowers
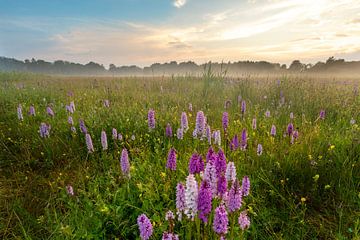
[259,149]
[145,227]
[191,197]
[322,114]
[171,161]
[243,143]
[254,123]
[244,220]
[180,133]
[184,122]
[221,221]
[114,134]
[45,130]
[19,112]
[273,131]
[50,112]
[83,128]
[234,143]
[196,164]
[32,110]
[168,130]
[89,143]
[124,163]
[180,200]
[243,107]
[225,121]
[217,137]
[104,142]
[204,201]
[200,125]
[151,119]
[70,190]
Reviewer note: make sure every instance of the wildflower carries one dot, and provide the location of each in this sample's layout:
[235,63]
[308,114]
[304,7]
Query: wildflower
[196,164]
[169,216]
[273,131]
[243,107]
[184,122]
[230,173]
[220,163]
[168,131]
[72,106]
[83,128]
[291,115]
[89,143]
[49,111]
[204,201]
[19,112]
[32,110]
[208,134]
[180,133]
[190,107]
[180,200]
[70,190]
[290,129]
[170,236]
[73,129]
[235,197]
[352,121]
[132,137]
[69,109]
[217,137]
[171,161]
[151,119]
[225,121]
[70,120]
[296,134]
[210,156]
[145,227]
[245,186]
[104,142]
[191,196]
[244,220]
[210,175]
[106,103]
[221,185]
[254,123]
[243,143]
[120,137]
[322,114]
[124,162]
[259,149]
[114,134]
[221,220]
[234,143]
[267,114]
[45,130]
[200,125]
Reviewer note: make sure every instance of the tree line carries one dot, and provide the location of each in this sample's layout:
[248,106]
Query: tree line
[331,65]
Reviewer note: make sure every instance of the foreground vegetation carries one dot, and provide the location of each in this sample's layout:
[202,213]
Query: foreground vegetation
[305,189]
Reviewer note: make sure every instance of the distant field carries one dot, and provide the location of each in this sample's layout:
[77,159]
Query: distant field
[304,185]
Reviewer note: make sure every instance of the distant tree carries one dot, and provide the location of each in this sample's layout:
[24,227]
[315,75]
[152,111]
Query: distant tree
[296,66]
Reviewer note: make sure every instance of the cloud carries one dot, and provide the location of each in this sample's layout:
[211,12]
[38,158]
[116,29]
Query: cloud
[179,3]
[276,30]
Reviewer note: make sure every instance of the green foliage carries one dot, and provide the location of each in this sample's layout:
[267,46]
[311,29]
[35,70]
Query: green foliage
[306,190]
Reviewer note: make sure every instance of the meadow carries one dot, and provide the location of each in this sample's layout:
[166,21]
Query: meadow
[304,178]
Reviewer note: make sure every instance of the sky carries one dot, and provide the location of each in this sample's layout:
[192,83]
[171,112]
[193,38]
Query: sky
[142,32]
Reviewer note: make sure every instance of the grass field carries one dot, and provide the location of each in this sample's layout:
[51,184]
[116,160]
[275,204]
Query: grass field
[305,189]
